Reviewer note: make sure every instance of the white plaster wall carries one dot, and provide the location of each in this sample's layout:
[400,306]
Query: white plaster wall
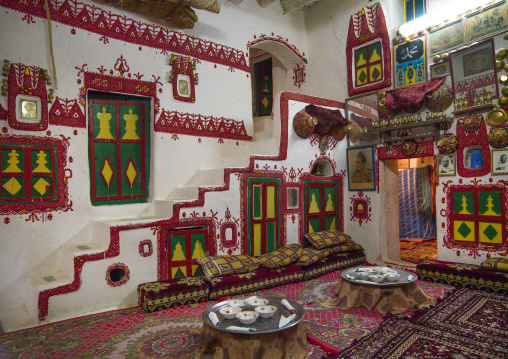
[33,247]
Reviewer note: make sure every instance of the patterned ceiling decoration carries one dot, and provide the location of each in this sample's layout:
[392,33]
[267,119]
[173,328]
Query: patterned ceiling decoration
[368,51]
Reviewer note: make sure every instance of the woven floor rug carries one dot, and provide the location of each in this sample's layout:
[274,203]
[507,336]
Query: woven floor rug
[402,338]
[175,333]
[471,313]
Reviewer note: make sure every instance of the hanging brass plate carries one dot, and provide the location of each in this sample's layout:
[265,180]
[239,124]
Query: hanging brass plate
[496,117]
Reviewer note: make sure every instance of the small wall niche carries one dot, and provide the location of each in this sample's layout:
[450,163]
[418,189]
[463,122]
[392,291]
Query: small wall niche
[322,168]
[473,157]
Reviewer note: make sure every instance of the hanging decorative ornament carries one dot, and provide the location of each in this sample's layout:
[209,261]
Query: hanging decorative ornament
[447,143]
[409,147]
[304,124]
[498,137]
[496,117]
[472,123]
[383,111]
[338,132]
[440,99]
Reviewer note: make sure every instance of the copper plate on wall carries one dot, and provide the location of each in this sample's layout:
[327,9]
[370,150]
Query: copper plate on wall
[496,117]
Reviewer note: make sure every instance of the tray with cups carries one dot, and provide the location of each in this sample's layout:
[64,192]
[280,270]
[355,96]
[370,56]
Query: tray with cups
[254,315]
[379,276]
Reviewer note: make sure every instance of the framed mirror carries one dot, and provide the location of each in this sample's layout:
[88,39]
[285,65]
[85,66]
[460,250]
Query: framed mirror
[361,112]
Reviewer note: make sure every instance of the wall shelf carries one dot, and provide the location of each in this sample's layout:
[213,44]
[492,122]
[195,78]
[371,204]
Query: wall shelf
[469,110]
[435,132]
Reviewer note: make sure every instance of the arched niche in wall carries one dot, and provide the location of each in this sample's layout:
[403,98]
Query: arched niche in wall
[322,168]
[272,59]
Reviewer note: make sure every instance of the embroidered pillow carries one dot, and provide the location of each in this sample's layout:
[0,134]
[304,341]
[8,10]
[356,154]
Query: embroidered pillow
[326,239]
[281,257]
[225,265]
[496,263]
[347,246]
[312,255]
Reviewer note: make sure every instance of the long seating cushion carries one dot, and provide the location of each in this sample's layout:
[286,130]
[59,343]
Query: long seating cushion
[496,264]
[217,266]
[281,257]
[333,263]
[347,246]
[328,238]
[161,295]
[464,275]
[312,255]
[261,279]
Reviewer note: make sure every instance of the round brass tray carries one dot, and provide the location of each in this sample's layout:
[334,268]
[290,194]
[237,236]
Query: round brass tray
[496,117]
[262,325]
[351,275]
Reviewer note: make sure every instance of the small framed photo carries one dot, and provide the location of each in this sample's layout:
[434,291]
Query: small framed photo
[440,69]
[446,165]
[499,162]
[360,168]
[292,197]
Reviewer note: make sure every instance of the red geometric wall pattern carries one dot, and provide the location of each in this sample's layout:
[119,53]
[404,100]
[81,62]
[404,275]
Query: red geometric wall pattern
[110,25]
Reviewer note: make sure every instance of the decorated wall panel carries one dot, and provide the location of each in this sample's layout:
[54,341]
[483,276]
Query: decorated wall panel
[368,51]
[119,130]
[33,174]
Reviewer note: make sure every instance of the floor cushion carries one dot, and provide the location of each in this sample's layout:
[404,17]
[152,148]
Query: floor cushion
[333,263]
[281,257]
[171,293]
[233,285]
[464,275]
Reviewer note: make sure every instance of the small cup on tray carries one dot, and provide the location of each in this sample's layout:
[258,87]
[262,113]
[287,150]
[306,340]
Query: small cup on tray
[247,317]
[230,312]
[266,311]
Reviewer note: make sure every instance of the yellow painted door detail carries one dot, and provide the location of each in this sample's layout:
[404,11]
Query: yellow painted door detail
[257,239]
[130,126]
[490,232]
[13,163]
[270,202]
[463,231]
[104,125]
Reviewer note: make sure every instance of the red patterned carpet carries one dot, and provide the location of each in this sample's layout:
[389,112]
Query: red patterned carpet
[415,252]
[174,333]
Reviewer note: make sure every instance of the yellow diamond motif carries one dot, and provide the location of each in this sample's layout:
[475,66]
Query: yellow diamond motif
[107,171]
[12,186]
[41,186]
[265,102]
[131,172]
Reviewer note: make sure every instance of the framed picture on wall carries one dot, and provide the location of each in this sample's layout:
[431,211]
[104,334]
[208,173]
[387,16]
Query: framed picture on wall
[361,111]
[474,71]
[440,69]
[486,22]
[410,65]
[499,162]
[361,169]
[292,197]
[446,38]
[446,165]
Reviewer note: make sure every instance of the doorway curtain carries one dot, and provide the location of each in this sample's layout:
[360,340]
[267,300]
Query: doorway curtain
[416,202]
